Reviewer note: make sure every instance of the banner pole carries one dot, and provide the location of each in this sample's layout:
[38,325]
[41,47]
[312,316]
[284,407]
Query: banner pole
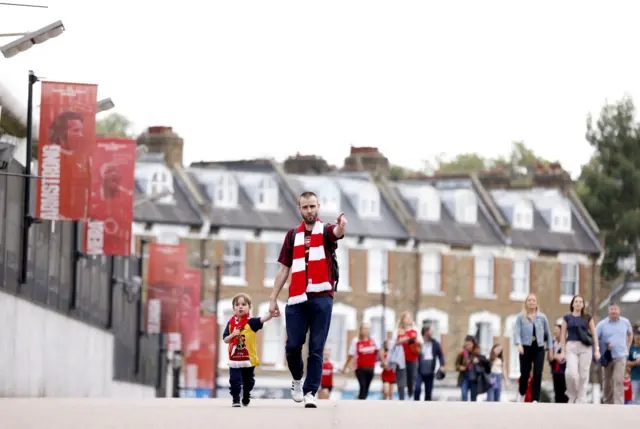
[28,219]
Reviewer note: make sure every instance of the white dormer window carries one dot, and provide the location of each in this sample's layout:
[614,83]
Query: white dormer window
[369,205]
[161,183]
[428,204]
[561,218]
[267,198]
[523,215]
[466,206]
[329,200]
[226,191]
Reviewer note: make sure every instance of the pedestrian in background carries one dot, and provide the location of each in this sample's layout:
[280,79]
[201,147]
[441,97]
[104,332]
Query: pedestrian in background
[498,374]
[407,337]
[615,333]
[633,364]
[532,333]
[430,354]
[558,368]
[577,336]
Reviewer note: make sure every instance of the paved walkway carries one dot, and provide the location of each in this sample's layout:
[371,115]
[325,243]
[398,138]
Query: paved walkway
[285,414]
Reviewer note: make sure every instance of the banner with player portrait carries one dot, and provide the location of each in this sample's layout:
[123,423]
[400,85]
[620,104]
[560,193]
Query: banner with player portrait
[165,282]
[110,213]
[66,142]
[200,364]
[190,310]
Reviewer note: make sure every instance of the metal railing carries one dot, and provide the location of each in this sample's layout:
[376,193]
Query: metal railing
[87,288]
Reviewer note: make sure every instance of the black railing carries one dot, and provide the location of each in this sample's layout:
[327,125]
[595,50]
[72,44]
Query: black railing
[87,288]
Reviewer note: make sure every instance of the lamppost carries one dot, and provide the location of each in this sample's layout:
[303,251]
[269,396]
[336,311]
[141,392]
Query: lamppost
[176,366]
[383,299]
[28,40]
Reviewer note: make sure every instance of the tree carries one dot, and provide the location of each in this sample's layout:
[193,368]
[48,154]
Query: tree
[521,161]
[114,125]
[610,182]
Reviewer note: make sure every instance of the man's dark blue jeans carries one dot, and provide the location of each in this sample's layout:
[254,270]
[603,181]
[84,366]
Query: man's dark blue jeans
[313,315]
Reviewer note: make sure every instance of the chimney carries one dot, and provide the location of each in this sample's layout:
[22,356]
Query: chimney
[551,176]
[367,159]
[495,179]
[161,139]
[306,164]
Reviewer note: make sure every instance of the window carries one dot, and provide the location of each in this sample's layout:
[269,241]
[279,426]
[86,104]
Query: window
[429,204]
[431,273]
[161,182]
[520,279]
[377,270]
[466,208]
[234,261]
[226,191]
[267,198]
[224,354]
[569,285]
[342,254]
[369,204]
[514,358]
[329,199]
[435,324]
[337,339]
[523,215]
[273,342]
[484,276]
[271,265]
[484,337]
[377,330]
[561,219]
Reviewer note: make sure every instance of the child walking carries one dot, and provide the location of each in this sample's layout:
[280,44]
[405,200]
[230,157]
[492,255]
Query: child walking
[628,391]
[240,335]
[326,383]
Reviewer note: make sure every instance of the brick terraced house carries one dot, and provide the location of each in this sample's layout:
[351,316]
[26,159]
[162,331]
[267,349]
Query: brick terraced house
[460,252]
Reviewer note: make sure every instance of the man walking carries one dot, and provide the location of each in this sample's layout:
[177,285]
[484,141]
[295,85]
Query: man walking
[615,333]
[431,351]
[308,253]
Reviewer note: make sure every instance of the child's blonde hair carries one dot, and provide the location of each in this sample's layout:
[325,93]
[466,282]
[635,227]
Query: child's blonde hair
[243,295]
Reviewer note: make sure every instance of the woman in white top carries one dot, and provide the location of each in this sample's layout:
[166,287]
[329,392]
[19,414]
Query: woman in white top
[498,374]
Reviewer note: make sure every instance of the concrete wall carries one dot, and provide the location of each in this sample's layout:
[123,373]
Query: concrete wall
[46,354]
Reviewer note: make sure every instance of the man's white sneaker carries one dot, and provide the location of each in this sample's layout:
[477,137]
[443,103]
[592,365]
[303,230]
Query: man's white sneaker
[310,401]
[296,390]
[520,398]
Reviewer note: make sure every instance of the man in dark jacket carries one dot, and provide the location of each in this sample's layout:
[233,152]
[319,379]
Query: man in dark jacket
[431,351]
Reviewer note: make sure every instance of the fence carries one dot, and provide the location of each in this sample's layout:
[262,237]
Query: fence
[94,290]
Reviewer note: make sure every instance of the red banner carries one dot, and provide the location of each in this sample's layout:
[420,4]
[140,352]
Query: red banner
[205,356]
[190,310]
[165,282]
[108,229]
[67,138]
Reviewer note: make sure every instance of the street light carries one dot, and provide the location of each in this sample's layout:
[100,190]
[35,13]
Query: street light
[104,105]
[29,39]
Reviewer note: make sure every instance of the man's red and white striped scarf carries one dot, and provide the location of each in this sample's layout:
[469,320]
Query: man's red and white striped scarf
[313,277]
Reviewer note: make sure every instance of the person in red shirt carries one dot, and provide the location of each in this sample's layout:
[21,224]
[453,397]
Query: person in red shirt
[408,337]
[388,375]
[628,391]
[326,383]
[364,350]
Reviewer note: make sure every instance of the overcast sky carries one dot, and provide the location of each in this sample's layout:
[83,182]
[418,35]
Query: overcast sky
[242,79]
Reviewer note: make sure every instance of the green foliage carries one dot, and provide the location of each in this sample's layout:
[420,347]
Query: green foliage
[114,125]
[521,161]
[609,183]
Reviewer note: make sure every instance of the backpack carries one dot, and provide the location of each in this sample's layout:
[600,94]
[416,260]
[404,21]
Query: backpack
[332,250]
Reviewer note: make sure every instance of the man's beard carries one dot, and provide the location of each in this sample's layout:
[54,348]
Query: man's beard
[306,220]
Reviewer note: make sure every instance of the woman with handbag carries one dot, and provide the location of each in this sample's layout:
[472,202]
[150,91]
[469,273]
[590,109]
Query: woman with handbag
[407,337]
[577,337]
[531,335]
